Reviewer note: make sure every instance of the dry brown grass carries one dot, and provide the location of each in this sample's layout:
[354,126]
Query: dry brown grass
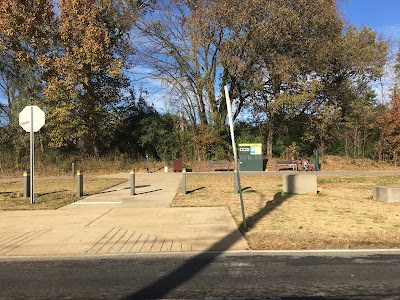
[342,215]
[62,166]
[339,163]
[50,193]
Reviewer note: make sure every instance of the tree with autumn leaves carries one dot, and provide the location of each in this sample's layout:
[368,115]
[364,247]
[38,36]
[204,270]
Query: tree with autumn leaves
[388,121]
[83,77]
[388,146]
[26,31]
[75,54]
[293,67]
[84,74]
[288,65]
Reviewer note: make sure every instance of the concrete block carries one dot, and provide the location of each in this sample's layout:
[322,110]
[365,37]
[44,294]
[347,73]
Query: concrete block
[300,184]
[388,194]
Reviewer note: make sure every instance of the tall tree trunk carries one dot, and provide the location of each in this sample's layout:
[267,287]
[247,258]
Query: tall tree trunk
[202,110]
[270,136]
[276,87]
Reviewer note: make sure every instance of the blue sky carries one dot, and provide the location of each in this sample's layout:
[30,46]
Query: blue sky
[381,15]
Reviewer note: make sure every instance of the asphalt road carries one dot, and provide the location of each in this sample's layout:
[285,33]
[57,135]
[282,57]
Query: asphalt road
[205,276]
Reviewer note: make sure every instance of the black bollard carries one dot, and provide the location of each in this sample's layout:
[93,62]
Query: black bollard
[132,182]
[235,174]
[317,161]
[79,176]
[184,181]
[27,185]
[147,164]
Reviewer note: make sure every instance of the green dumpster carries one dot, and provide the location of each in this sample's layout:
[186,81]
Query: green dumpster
[250,156]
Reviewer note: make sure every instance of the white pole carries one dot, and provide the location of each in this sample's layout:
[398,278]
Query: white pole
[32,157]
[230,117]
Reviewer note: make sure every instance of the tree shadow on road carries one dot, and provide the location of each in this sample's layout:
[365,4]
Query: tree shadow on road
[163,286]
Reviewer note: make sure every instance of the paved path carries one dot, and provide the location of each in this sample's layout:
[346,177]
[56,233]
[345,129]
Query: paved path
[151,191]
[113,222]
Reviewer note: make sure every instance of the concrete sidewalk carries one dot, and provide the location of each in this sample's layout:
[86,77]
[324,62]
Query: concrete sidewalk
[113,222]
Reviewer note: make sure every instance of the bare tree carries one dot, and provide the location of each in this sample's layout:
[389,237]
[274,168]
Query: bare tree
[181,47]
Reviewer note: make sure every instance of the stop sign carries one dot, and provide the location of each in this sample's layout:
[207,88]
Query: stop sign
[31,114]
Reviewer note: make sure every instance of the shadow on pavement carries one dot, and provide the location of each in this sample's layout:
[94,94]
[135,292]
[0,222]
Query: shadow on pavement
[198,189]
[148,192]
[160,288]
[140,186]
[125,188]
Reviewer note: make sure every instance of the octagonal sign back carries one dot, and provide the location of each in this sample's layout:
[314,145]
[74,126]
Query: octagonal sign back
[31,113]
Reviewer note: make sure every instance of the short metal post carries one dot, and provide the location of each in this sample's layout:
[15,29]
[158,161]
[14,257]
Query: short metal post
[316,161]
[132,182]
[73,169]
[27,185]
[235,175]
[79,176]
[184,181]
[148,165]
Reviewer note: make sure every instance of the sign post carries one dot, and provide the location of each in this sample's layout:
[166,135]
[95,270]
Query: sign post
[236,174]
[31,119]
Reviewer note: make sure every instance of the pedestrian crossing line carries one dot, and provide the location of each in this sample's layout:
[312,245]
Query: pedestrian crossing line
[119,240]
[96,247]
[14,241]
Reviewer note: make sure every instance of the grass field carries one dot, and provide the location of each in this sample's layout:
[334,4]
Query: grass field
[342,215]
[50,193]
